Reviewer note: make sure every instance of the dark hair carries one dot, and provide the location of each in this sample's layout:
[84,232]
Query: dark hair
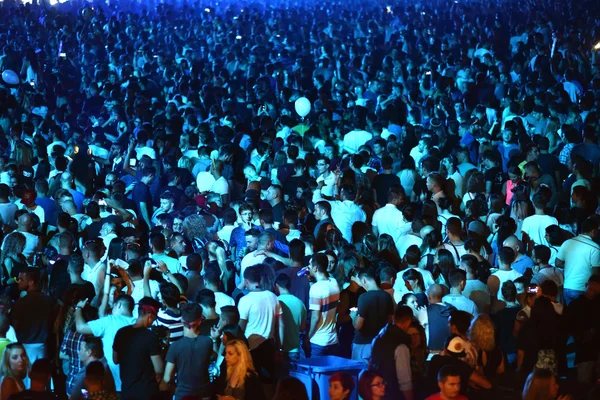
[506,255]
[206,298]
[543,253]
[284,281]
[509,291]
[446,371]
[461,320]
[94,345]
[346,380]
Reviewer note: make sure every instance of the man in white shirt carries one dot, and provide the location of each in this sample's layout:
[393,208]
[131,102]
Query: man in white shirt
[326,179]
[324,296]
[506,256]
[389,218]
[261,318]
[534,227]
[212,280]
[221,186]
[345,212]
[266,242]
[474,289]
[94,270]
[458,280]
[354,139]
[158,244]
[580,258]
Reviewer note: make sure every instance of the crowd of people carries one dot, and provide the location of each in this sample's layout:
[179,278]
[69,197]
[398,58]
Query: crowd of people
[176,223]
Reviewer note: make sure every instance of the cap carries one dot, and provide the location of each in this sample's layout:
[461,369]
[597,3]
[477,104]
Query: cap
[190,312]
[252,195]
[28,198]
[477,227]
[456,346]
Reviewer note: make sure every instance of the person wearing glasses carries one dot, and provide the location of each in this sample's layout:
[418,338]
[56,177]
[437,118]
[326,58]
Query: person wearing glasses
[371,386]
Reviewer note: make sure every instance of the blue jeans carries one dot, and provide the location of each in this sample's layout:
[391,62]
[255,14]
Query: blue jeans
[569,295]
[318,351]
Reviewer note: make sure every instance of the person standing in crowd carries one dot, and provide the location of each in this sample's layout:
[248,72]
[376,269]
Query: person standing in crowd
[33,315]
[375,310]
[580,258]
[137,352]
[294,317]
[107,327]
[391,354]
[261,320]
[14,368]
[323,299]
[91,350]
[449,384]
[189,357]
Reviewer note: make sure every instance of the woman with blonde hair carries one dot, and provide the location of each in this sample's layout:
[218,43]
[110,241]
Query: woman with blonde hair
[12,259]
[541,385]
[241,381]
[14,368]
[490,357]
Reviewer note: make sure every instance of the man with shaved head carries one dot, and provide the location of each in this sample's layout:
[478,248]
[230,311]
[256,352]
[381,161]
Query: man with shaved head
[522,261]
[67,182]
[435,320]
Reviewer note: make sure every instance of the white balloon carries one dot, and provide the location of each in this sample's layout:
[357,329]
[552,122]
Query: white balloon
[204,181]
[302,106]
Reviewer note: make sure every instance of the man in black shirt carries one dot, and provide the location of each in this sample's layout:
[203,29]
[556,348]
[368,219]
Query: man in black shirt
[32,316]
[142,197]
[137,351]
[190,357]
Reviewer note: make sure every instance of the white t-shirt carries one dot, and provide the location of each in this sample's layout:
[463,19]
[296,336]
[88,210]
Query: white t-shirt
[504,276]
[260,310]
[580,255]
[461,303]
[249,260]
[535,227]
[389,220]
[221,186]
[222,300]
[106,328]
[173,264]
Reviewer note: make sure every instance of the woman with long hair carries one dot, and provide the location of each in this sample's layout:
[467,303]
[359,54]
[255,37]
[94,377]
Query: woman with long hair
[541,384]
[241,381]
[418,351]
[371,386]
[483,335]
[14,368]
[388,251]
[12,257]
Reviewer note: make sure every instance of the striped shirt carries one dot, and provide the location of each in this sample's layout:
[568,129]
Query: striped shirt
[172,322]
[324,297]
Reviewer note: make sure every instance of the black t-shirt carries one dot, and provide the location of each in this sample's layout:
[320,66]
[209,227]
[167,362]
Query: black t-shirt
[86,289]
[192,358]
[32,317]
[134,348]
[141,194]
[496,176]
[207,325]
[382,184]
[438,362]
[584,327]
[375,306]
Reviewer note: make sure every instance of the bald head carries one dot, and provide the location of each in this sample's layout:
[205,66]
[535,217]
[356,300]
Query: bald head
[66,180]
[512,242]
[25,222]
[69,207]
[435,293]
